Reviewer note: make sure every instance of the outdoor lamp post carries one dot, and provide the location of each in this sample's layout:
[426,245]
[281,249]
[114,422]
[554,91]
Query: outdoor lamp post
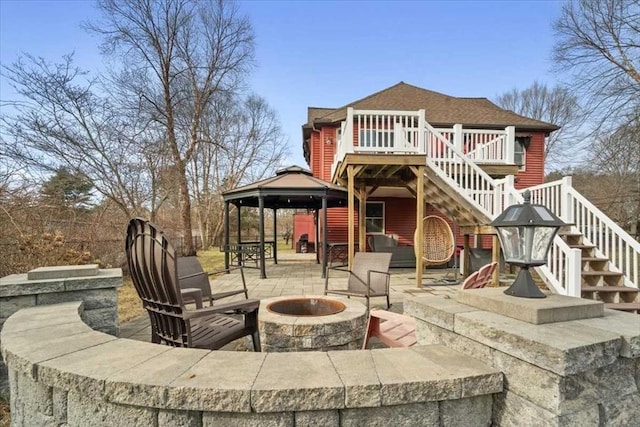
[526,232]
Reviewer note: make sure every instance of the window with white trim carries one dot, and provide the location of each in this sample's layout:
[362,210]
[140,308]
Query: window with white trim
[374,217]
[520,152]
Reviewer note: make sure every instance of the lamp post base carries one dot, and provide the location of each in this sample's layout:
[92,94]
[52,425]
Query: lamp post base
[524,286]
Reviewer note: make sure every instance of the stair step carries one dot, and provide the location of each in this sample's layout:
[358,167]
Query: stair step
[586,288]
[623,306]
[594,259]
[569,234]
[582,246]
[601,273]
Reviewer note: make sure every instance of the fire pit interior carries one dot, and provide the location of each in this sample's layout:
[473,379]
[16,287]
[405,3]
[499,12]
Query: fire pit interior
[306,307]
[312,322]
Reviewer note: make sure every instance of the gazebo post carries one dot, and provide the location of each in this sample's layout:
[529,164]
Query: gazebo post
[325,236]
[226,235]
[263,273]
[275,235]
[239,254]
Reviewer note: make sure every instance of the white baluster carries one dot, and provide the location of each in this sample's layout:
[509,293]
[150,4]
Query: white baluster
[510,144]
[458,137]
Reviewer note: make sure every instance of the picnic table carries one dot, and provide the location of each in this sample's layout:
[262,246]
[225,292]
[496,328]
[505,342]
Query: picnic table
[338,252]
[248,252]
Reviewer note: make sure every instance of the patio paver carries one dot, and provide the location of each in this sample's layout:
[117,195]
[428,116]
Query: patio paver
[299,274]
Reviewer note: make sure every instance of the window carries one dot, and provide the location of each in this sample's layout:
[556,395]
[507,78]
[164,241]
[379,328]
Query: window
[374,217]
[520,152]
[375,138]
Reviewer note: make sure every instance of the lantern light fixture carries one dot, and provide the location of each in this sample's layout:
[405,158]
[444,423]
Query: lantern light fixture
[525,232]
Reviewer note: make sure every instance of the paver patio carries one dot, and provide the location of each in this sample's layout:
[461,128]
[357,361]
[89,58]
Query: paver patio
[299,274]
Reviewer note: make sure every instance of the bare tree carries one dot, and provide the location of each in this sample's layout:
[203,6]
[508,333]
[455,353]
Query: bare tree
[245,145]
[598,43]
[61,122]
[617,157]
[181,53]
[553,105]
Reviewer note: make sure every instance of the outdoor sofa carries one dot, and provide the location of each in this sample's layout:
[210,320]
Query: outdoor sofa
[401,256]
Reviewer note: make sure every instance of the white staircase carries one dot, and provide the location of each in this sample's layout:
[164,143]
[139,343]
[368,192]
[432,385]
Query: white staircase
[596,259]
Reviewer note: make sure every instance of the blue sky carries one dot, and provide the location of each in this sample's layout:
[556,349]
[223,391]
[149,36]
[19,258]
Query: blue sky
[330,53]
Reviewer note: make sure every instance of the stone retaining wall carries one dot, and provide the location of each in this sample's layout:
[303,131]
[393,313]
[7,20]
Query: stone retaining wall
[50,285]
[62,371]
[570,373]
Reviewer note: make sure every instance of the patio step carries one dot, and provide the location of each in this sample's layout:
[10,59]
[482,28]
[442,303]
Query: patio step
[632,307]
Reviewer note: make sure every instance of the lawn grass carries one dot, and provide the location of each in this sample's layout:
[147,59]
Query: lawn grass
[129,305]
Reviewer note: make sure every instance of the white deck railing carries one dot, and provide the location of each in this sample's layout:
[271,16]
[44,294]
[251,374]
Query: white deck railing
[490,146]
[396,132]
[611,241]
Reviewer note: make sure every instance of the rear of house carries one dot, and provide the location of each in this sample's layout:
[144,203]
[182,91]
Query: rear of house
[406,153]
[378,122]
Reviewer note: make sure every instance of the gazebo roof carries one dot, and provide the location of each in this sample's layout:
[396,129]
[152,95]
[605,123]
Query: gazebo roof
[292,188]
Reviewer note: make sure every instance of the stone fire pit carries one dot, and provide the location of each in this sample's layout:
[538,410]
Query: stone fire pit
[311,323]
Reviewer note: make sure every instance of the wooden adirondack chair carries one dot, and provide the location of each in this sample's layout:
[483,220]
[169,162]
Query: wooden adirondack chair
[480,278]
[195,285]
[392,329]
[153,268]
[368,278]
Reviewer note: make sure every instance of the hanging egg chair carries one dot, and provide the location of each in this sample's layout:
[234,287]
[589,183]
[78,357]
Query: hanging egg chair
[438,243]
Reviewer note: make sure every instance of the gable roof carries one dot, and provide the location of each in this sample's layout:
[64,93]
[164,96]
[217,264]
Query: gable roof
[440,109]
[291,188]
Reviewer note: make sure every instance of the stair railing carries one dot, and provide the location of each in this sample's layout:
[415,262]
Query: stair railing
[490,145]
[611,241]
[563,271]
[451,165]
[344,143]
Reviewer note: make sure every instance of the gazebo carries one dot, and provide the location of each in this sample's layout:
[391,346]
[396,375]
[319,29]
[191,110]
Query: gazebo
[291,188]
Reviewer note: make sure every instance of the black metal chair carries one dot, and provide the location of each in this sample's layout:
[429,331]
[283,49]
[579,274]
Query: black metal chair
[153,269]
[195,285]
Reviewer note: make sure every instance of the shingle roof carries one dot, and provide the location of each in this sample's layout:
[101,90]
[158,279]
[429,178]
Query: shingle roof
[440,109]
[292,187]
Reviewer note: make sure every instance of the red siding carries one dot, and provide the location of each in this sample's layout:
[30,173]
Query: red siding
[323,147]
[337,222]
[316,158]
[303,223]
[399,218]
[534,167]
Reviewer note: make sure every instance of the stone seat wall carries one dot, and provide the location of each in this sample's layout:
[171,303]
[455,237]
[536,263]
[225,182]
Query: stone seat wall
[96,288]
[62,371]
[579,373]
